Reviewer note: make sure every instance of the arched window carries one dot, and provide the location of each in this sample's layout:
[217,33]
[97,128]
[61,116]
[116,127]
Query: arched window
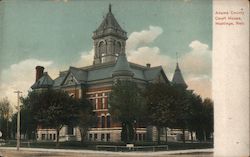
[102,47]
[103,122]
[108,121]
[118,47]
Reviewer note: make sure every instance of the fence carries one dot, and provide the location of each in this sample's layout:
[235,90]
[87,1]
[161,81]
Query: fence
[133,148]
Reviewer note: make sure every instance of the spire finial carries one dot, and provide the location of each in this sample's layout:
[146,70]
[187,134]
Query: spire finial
[176,57]
[177,65]
[109,7]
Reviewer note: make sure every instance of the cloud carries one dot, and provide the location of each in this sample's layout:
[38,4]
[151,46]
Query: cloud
[20,76]
[195,64]
[197,61]
[143,37]
[86,59]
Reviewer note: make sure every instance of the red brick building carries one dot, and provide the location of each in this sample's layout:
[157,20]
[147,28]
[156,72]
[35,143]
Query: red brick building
[109,63]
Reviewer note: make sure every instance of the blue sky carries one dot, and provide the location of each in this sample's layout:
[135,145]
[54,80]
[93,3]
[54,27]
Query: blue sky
[57,34]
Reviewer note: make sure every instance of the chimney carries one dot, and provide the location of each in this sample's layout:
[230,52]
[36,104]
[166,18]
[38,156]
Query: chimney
[148,65]
[39,72]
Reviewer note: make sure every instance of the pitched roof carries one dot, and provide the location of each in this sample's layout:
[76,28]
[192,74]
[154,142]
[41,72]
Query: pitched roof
[109,22]
[178,78]
[101,72]
[44,82]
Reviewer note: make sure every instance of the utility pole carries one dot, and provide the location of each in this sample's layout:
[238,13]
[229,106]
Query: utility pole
[18,120]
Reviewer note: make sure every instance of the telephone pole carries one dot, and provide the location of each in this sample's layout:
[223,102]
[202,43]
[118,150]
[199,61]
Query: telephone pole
[18,120]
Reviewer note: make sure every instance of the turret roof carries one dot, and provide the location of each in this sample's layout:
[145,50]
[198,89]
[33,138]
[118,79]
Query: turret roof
[178,78]
[122,66]
[109,22]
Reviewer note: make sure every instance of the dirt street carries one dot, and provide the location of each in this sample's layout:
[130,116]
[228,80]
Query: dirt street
[23,153]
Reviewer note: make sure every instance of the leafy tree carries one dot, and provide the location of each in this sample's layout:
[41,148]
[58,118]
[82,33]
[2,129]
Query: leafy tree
[160,105]
[85,117]
[194,112]
[207,116]
[182,108]
[52,108]
[127,104]
[5,115]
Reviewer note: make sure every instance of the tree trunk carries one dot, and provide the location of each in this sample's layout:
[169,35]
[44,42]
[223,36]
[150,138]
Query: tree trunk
[158,135]
[166,135]
[204,136]
[7,131]
[83,132]
[192,138]
[127,129]
[57,136]
[183,132]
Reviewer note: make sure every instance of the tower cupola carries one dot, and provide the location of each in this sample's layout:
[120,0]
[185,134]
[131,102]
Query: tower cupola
[109,40]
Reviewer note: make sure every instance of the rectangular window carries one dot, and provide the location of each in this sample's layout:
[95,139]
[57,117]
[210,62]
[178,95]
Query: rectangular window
[96,103]
[143,137]
[43,136]
[108,137]
[103,103]
[54,136]
[103,122]
[70,130]
[107,99]
[95,137]
[90,137]
[140,137]
[50,136]
[102,137]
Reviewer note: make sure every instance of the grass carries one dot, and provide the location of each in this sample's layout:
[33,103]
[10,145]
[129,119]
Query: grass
[92,145]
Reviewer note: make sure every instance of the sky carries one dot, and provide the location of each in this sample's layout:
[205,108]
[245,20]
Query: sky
[57,34]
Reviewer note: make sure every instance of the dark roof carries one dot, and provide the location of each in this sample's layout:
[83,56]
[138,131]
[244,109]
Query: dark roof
[122,66]
[101,72]
[44,82]
[109,22]
[178,78]
[109,26]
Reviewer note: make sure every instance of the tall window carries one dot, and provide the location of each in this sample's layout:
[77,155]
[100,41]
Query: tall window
[102,47]
[70,130]
[103,103]
[103,122]
[108,121]
[118,47]
[102,137]
[108,137]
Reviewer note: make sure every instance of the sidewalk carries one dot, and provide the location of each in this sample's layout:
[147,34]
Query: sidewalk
[109,152]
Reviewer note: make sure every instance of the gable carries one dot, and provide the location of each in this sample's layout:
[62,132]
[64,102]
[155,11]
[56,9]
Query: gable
[70,80]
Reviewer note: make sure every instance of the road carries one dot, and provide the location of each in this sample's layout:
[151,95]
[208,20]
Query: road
[82,153]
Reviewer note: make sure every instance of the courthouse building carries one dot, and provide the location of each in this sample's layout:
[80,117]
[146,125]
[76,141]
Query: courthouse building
[109,64]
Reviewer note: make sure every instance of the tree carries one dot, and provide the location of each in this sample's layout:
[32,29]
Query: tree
[127,105]
[194,112]
[86,117]
[5,115]
[52,109]
[207,118]
[160,104]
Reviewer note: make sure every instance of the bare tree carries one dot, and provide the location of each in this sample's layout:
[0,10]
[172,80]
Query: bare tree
[5,115]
